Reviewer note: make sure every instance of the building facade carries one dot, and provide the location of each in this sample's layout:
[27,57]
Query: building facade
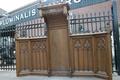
[2,13]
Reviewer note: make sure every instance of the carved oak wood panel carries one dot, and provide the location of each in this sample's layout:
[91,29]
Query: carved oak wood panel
[39,54]
[91,55]
[32,56]
[101,46]
[24,56]
[82,54]
[59,51]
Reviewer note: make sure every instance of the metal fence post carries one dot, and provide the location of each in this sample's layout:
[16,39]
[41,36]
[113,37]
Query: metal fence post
[116,36]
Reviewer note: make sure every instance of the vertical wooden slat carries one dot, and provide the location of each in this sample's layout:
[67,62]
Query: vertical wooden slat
[49,54]
[47,57]
[94,55]
[109,57]
[30,56]
[17,58]
[71,55]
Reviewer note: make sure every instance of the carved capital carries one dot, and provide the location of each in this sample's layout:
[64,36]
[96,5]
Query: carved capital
[55,10]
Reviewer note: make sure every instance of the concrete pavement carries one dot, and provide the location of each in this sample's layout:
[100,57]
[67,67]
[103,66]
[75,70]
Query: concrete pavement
[11,75]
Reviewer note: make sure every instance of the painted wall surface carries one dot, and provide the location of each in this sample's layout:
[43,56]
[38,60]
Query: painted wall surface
[97,8]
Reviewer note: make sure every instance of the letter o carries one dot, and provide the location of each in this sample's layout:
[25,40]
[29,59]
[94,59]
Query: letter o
[77,1]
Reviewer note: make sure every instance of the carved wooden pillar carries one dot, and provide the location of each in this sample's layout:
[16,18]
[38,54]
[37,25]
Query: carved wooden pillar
[56,19]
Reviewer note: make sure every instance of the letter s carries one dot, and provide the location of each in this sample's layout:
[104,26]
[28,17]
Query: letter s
[33,12]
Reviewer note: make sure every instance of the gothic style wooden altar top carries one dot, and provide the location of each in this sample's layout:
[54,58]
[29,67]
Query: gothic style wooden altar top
[54,9]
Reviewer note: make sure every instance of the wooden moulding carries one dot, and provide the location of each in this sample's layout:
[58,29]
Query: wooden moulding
[54,9]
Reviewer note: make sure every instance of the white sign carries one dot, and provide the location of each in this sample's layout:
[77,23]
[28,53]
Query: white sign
[17,17]
[67,1]
[75,1]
